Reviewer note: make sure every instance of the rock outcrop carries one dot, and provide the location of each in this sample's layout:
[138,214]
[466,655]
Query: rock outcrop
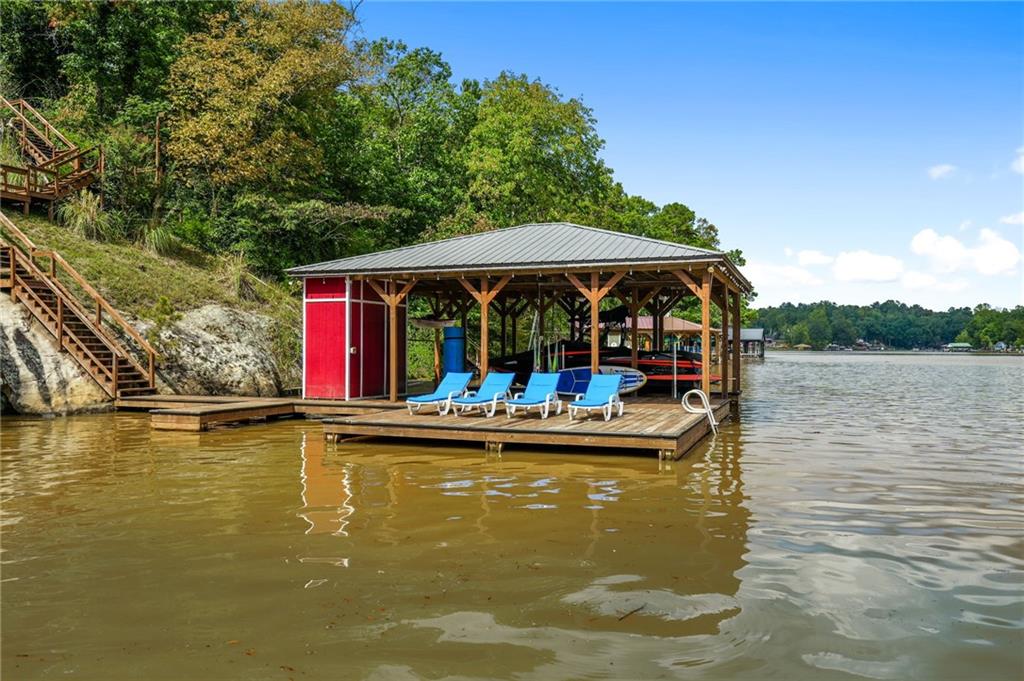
[212,350]
[216,350]
[36,377]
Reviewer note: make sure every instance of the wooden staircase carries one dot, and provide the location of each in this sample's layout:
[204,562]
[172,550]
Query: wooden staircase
[85,326]
[54,166]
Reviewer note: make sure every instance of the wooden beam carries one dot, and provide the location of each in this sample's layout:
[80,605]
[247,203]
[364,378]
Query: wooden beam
[688,280]
[705,333]
[736,345]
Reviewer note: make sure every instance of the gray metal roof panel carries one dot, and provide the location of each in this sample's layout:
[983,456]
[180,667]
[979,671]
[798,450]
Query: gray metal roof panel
[526,246]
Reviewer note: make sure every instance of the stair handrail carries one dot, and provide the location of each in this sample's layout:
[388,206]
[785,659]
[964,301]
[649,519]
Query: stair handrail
[69,156]
[32,251]
[25,122]
[47,124]
[19,106]
[69,301]
[27,244]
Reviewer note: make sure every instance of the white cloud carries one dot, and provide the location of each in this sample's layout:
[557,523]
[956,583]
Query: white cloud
[992,255]
[1015,219]
[813,258]
[921,280]
[866,266]
[767,274]
[941,171]
[946,253]
[788,251]
[1018,163]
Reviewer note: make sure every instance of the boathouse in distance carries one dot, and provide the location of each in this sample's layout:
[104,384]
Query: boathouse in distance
[354,322]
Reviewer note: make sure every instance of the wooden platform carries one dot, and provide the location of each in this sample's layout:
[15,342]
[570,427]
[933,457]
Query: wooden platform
[658,425]
[199,412]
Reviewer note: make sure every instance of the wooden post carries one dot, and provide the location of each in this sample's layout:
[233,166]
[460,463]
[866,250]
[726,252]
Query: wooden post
[595,330]
[485,348]
[60,323]
[723,353]
[594,293]
[393,298]
[736,341]
[634,312]
[152,370]
[705,333]
[484,296]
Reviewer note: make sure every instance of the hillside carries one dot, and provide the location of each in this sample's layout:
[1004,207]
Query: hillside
[158,289]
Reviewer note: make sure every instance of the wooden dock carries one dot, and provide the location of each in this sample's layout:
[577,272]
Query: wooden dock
[198,412]
[648,424]
[655,424]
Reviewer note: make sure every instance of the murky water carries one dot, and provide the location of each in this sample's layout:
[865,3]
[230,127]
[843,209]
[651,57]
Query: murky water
[863,520]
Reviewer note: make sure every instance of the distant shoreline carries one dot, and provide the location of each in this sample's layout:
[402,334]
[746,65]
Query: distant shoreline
[974,353]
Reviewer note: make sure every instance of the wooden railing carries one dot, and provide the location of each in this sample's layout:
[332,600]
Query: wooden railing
[24,251]
[53,173]
[30,119]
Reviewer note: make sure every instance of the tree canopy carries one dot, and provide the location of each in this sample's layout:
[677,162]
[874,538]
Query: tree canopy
[287,140]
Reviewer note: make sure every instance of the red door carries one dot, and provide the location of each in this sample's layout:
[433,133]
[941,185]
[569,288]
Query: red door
[325,351]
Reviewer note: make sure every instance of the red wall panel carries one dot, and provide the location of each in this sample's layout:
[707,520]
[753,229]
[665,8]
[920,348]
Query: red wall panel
[374,349]
[329,287]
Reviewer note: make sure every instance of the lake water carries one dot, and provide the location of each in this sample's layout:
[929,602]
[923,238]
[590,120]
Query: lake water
[863,519]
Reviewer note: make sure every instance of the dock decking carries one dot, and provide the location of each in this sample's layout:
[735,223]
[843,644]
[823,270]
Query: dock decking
[198,412]
[648,424]
[659,425]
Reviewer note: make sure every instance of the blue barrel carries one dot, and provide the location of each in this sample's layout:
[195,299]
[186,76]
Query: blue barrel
[453,352]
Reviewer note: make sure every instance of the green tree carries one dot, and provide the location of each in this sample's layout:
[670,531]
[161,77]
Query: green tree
[798,334]
[111,51]
[397,138]
[533,156]
[819,329]
[843,330]
[249,95]
[29,61]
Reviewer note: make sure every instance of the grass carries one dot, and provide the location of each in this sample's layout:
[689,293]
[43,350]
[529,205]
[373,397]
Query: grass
[134,279]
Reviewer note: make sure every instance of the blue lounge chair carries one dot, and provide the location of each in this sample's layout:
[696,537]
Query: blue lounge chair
[602,393]
[540,393]
[452,385]
[494,389]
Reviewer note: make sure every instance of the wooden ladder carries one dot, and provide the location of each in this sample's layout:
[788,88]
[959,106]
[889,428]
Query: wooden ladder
[54,166]
[87,327]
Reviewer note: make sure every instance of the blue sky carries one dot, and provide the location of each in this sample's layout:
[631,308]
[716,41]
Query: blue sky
[855,152]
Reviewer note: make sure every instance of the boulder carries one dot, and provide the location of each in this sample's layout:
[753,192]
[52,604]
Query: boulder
[35,377]
[212,350]
[216,350]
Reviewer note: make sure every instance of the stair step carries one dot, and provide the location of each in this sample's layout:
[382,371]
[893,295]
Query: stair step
[137,391]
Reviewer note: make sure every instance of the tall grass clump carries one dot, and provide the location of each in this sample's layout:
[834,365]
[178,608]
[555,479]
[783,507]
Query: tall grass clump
[83,214]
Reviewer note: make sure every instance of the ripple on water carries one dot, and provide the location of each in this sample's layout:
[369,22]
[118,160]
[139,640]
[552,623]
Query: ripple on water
[862,520]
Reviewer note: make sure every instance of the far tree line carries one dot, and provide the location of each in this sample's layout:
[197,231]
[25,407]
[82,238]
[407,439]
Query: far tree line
[894,324]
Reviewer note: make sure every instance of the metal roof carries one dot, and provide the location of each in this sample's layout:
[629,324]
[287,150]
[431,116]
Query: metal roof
[534,246]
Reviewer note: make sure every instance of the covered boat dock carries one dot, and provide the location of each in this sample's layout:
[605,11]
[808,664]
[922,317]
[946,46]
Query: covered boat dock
[356,310]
